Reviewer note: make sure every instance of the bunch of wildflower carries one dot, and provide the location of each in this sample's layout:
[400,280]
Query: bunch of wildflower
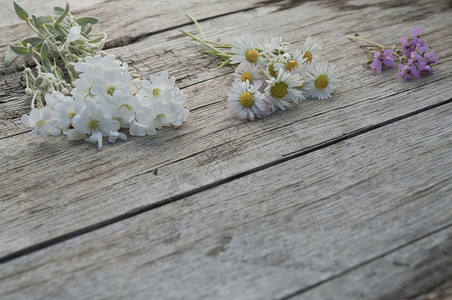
[100,96]
[106,98]
[415,58]
[269,75]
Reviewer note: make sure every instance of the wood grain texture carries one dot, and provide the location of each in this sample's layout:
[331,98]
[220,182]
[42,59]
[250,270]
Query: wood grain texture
[49,189]
[134,20]
[375,205]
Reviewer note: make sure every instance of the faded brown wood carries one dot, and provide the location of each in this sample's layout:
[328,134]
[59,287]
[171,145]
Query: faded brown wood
[335,222]
[210,145]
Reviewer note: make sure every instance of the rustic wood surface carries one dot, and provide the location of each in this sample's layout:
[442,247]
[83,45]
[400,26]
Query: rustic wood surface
[348,198]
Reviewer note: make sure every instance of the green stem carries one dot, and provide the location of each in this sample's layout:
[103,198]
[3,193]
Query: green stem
[266,74]
[227,61]
[197,25]
[219,45]
[364,40]
[216,50]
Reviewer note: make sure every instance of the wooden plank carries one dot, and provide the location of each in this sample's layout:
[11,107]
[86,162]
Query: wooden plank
[48,189]
[135,20]
[421,270]
[273,232]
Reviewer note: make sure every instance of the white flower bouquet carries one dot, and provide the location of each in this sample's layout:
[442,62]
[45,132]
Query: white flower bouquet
[79,90]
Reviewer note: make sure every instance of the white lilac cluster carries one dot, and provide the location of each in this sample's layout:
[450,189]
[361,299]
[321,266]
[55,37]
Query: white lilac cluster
[106,98]
[292,75]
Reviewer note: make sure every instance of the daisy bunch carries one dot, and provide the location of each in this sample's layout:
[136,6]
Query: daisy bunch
[94,96]
[269,74]
[414,56]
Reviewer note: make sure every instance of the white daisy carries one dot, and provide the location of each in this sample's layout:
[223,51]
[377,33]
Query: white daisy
[290,61]
[310,48]
[283,88]
[274,45]
[247,71]
[320,80]
[245,101]
[42,121]
[245,49]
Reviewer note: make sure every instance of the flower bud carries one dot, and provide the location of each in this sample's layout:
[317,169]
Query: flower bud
[65,91]
[28,91]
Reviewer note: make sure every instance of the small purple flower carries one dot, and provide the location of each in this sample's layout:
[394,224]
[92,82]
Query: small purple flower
[429,57]
[409,45]
[408,71]
[386,58]
[418,61]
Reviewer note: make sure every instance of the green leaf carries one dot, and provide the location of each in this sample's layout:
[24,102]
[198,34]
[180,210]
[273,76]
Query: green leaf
[10,57]
[59,31]
[47,64]
[58,10]
[45,50]
[21,13]
[96,40]
[63,15]
[87,29]
[33,41]
[18,49]
[43,19]
[83,21]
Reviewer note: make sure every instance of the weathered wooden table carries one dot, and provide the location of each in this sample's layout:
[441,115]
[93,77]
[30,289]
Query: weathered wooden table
[348,198]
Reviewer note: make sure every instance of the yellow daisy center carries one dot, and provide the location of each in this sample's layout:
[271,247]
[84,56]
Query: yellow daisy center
[94,125]
[322,82]
[308,55]
[291,64]
[71,115]
[110,90]
[252,55]
[272,71]
[156,92]
[247,76]
[279,90]
[246,99]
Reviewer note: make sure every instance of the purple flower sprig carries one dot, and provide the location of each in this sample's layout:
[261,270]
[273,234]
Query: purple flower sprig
[415,58]
[385,58]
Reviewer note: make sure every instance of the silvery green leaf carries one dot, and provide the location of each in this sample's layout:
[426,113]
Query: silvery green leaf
[63,15]
[43,19]
[21,13]
[58,30]
[83,21]
[58,10]
[84,35]
[10,57]
[18,49]
[56,55]
[47,64]
[33,41]
[87,29]
[45,50]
